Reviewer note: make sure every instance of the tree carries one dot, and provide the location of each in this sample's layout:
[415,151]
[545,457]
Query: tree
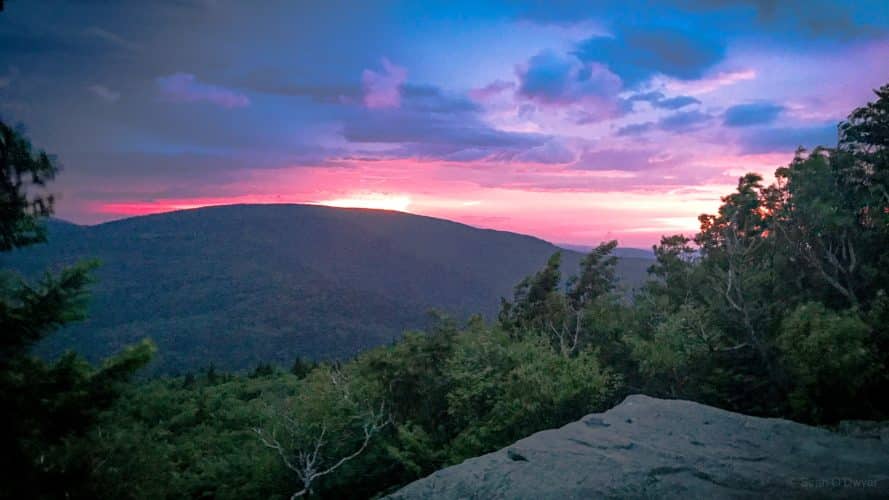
[24,174]
[504,389]
[330,422]
[673,273]
[536,301]
[737,246]
[865,135]
[597,276]
[817,219]
[781,309]
[830,357]
[45,405]
[302,367]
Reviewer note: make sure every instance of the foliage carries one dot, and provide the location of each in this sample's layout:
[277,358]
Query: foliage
[829,357]
[47,406]
[780,307]
[189,437]
[218,435]
[23,174]
[326,424]
[537,302]
[503,390]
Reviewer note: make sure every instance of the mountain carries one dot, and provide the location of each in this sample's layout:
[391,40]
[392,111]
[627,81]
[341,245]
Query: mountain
[242,284]
[657,448]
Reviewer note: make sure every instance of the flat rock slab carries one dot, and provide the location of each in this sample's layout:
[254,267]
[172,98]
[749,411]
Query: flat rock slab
[655,448]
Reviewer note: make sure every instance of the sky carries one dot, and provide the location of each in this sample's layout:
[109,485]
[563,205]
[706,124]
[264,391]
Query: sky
[576,122]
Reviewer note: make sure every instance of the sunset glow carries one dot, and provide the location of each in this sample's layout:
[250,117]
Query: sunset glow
[372,200]
[556,122]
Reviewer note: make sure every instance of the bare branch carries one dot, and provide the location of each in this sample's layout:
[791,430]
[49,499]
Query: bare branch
[275,445]
[306,459]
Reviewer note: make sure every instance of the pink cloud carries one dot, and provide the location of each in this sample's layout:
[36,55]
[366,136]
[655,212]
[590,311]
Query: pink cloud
[185,87]
[710,83]
[383,89]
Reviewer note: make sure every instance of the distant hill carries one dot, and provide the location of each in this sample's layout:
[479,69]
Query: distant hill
[639,253]
[242,284]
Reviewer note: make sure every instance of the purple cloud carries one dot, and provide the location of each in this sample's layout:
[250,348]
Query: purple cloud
[383,89]
[550,152]
[677,102]
[550,79]
[635,129]
[683,121]
[455,132]
[758,113]
[659,100]
[490,90]
[185,87]
[616,159]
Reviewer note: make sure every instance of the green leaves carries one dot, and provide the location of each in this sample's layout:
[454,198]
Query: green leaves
[536,301]
[677,342]
[597,275]
[167,439]
[504,390]
[829,357]
[29,313]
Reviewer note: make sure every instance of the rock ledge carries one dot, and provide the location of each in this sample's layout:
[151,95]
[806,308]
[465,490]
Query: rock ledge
[655,448]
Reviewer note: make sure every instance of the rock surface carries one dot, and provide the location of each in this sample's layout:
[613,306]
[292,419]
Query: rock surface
[864,429]
[655,448]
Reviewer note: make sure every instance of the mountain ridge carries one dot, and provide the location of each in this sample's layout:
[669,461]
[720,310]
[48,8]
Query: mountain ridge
[238,285]
[62,222]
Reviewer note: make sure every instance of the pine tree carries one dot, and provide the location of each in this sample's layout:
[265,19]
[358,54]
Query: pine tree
[45,405]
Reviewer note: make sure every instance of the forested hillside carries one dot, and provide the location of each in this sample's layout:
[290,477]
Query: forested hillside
[241,285]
